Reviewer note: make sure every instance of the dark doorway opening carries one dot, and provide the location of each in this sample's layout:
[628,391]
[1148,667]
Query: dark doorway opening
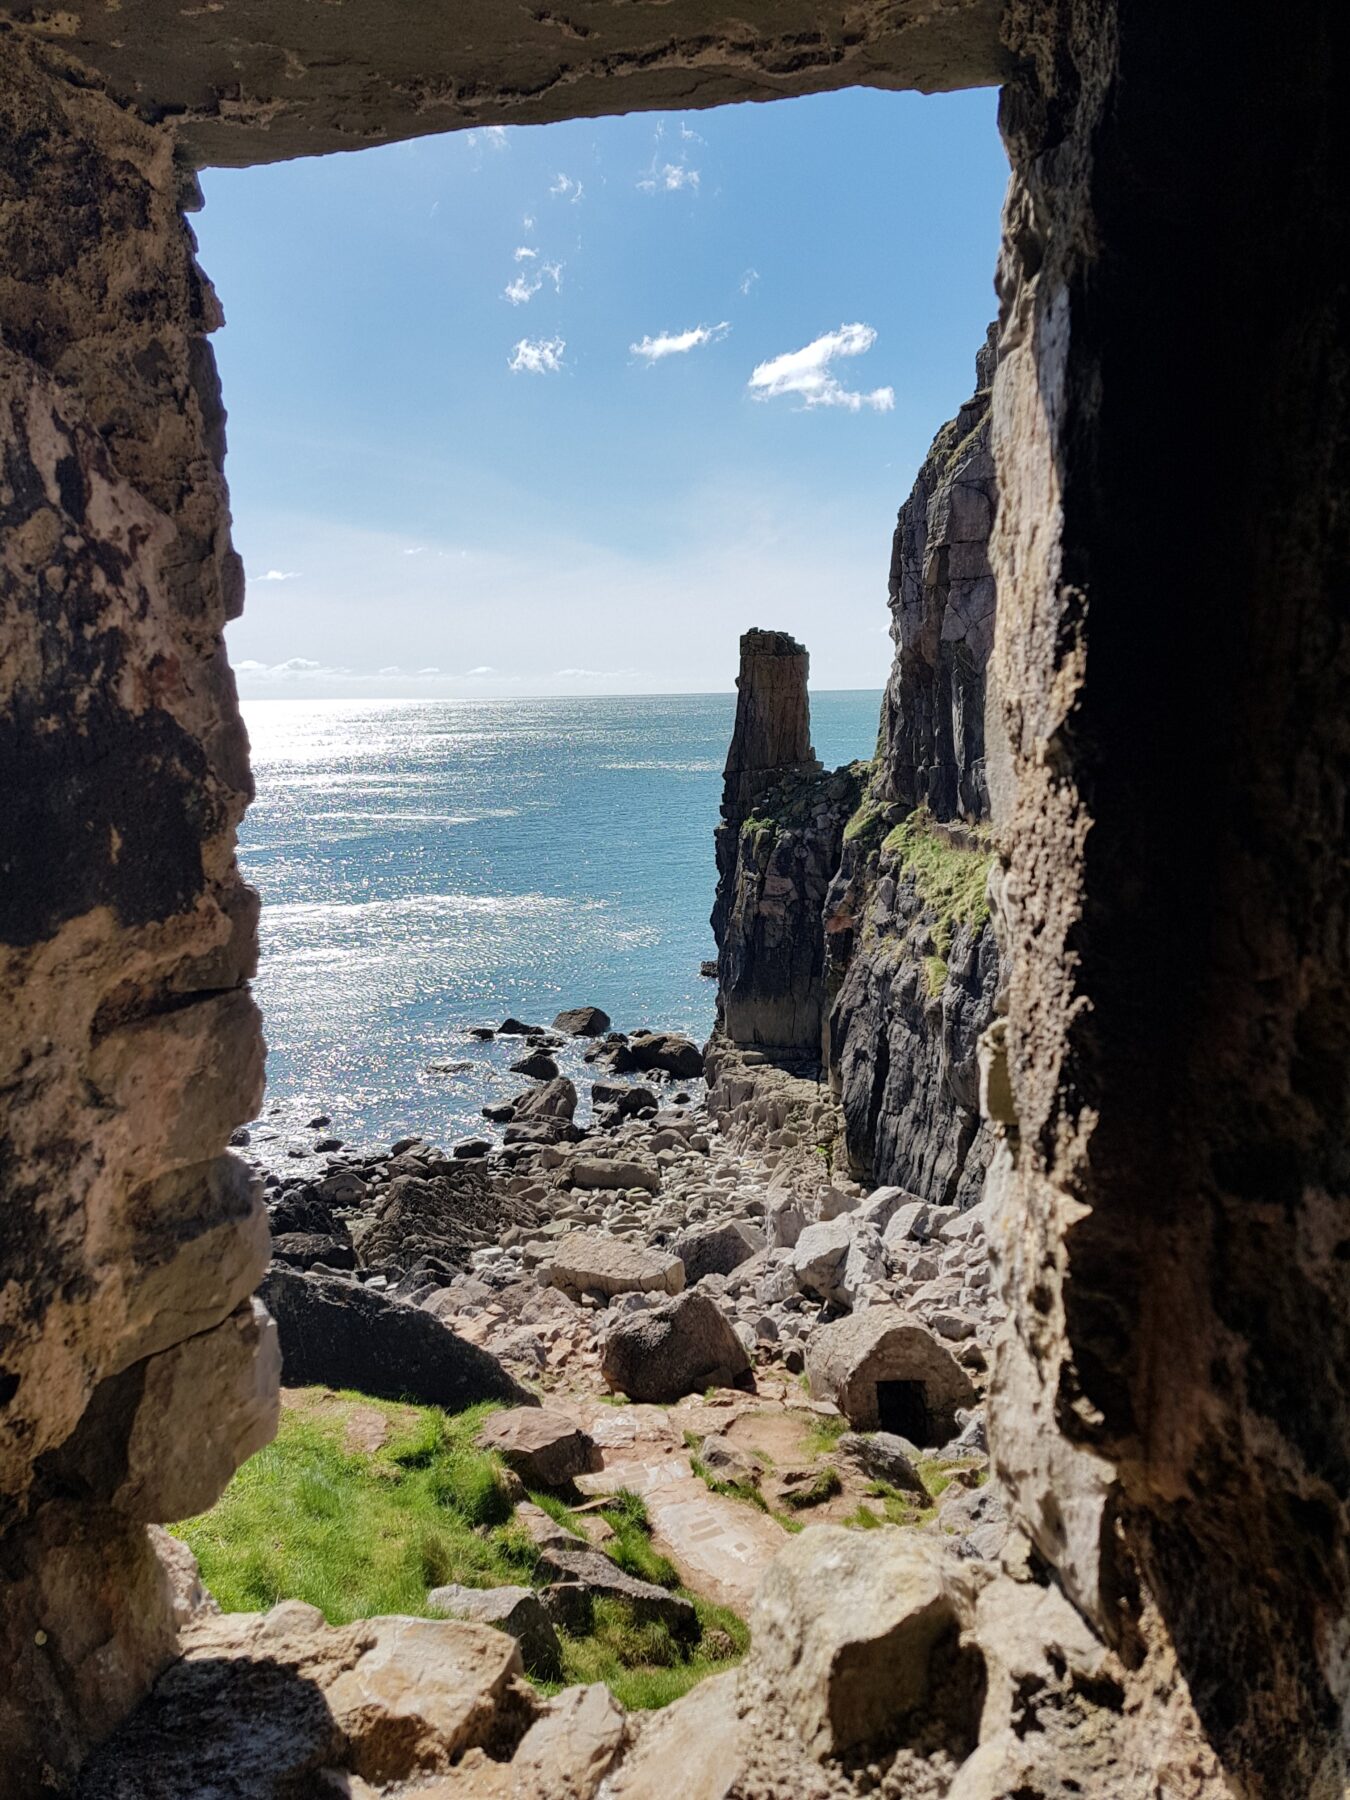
[902,1408]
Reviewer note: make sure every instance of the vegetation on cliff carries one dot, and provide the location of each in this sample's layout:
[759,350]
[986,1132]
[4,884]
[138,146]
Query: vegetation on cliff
[950,878]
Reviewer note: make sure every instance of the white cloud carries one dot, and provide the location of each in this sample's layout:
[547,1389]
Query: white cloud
[483,669]
[668,179]
[527,223]
[676,343]
[806,373]
[250,666]
[416,550]
[689,135]
[748,280]
[525,254]
[489,137]
[537,356]
[566,188]
[524,286]
[279,575]
[431,671]
[393,668]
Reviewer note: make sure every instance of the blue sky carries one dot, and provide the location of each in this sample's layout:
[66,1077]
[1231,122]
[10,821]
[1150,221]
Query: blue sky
[566,408]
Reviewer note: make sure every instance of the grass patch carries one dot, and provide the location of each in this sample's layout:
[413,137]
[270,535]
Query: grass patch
[642,1664]
[732,1490]
[950,880]
[823,1433]
[901,1508]
[356,1534]
[864,823]
[359,1533]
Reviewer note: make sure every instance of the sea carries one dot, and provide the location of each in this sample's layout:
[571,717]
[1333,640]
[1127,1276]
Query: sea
[427,866]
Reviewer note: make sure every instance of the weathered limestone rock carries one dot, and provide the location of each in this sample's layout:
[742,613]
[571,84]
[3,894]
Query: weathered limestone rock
[858,1639]
[556,1099]
[884,1456]
[343,1335]
[566,1754]
[582,1021]
[602,1172]
[595,1262]
[715,1249]
[438,1216]
[665,1053]
[546,1449]
[676,1347]
[515,1610]
[885,1371]
[262,1703]
[576,1563]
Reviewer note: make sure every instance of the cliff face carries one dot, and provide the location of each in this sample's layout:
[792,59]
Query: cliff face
[851,920]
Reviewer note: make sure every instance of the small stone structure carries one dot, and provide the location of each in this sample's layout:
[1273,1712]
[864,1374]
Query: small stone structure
[885,1371]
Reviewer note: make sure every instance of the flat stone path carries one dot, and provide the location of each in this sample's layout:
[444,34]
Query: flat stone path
[720,1546]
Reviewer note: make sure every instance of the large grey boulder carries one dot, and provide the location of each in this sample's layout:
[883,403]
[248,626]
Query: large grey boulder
[596,1262]
[818,1258]
[556,1099]
[517,1611]
[582,1021]
[716,1249]
[885,1370]
[667,1053]
[858,1640]
[676,1347]
[604,1173]
[546,1449]
[883,1456]
[342,1335]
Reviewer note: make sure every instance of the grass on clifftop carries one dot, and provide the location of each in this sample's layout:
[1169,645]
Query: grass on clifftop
[359,1532]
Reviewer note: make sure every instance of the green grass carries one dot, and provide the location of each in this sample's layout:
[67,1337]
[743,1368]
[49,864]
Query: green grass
[732,1490]
[642,1664]
[863,823]
[358,1534]
[951,881]
[823,1433]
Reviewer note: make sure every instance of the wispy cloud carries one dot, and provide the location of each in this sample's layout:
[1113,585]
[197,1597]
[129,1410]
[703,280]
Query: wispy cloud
[279,575]
[537,356]
[748,280]
[482,669]
[668,178]
[295,668]
[676,343]
[524,286]
[807,376]
[566,188]
[488,137]
[525,254]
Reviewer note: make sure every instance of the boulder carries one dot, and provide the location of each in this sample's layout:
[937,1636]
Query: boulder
[667,1052]
[259,1704]
[578,1564]
[621,1101]
[908,1224]
[556,1099]
[538,1065]
[857,1641]
[716,1249]
[517,1611]
[517,1028]
[884,1457]
[676,1347]
[886,1371]
[596,1262]
[342,1335]
[308,1211]
[582,1021]
[818,1259]
[612,1173]
[302,1249]
[546,1449]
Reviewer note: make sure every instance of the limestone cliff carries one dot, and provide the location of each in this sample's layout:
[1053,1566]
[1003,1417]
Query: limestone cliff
[852,925]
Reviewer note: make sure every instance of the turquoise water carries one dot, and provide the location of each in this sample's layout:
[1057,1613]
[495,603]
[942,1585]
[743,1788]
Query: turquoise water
[426,866]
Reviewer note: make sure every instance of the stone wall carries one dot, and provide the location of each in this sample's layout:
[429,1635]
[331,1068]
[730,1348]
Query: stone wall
[1172,1401]
[130,1242]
